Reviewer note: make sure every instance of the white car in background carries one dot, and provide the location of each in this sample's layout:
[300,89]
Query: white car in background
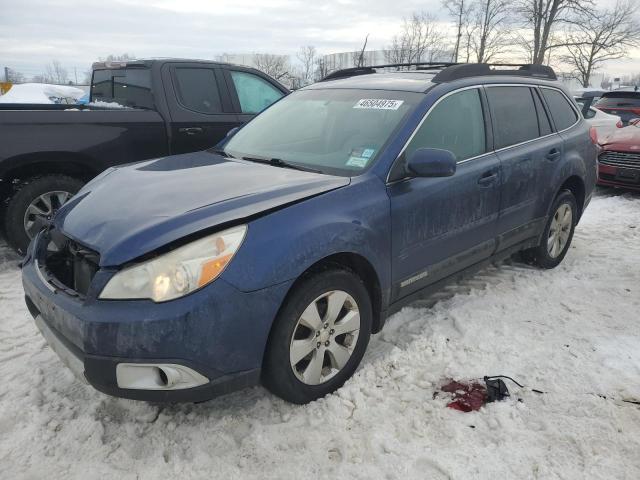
[604,123]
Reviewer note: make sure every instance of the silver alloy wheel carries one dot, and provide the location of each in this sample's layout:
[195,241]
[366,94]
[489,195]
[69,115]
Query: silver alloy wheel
[559,230]
[324,337]
[41,210]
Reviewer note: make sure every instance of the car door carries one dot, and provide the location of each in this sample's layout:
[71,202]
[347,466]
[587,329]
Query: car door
[251,92]
[527,149]
[200,106]
[443,225]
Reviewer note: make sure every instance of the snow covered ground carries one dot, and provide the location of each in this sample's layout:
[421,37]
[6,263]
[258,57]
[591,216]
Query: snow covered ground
[573,332]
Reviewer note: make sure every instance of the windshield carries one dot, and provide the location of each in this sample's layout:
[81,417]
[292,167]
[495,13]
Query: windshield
[340,132]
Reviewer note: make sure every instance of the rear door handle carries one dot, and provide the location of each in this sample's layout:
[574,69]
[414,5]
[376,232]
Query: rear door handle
[190,130]
[553,154]
[488,178]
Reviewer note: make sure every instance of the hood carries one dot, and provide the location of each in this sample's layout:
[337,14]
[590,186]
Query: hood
[625,139]
[132,210]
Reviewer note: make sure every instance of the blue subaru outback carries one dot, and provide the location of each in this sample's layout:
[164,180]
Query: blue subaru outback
[273,258]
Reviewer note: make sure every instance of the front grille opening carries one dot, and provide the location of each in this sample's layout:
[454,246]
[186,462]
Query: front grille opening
[71,264]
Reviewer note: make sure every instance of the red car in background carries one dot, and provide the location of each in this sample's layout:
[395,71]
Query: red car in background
[619,160]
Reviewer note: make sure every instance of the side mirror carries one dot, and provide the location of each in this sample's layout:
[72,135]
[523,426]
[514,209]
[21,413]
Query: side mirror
[635,122]
[431,162]
[232,132]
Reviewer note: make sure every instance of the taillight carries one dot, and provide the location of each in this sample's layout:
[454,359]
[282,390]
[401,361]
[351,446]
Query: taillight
[619,124]
[636,111]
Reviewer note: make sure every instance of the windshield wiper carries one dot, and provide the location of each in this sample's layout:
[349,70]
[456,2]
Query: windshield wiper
[278,162]
[221,152]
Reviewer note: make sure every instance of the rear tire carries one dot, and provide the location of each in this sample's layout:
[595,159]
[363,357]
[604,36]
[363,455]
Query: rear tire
[28,195]
[558,233]
[301,340]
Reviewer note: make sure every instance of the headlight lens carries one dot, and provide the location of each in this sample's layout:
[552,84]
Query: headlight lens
[178,272]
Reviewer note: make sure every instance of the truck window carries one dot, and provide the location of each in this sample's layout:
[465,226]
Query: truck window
[197,90]
[125,87]
[255,94]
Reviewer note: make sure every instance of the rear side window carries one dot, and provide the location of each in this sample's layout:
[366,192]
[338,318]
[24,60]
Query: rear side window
[255,94]
[543,120]
[197,89]
[126,87]
[561,110]
[455,124]
[514,115]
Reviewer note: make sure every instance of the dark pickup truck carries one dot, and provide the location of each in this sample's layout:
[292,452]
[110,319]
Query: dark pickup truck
[138,110]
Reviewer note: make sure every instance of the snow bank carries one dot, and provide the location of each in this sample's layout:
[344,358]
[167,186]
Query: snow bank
[41,93]
[572,332]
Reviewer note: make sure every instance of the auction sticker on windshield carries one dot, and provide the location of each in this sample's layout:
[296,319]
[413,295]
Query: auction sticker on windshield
[359,157]
[378,104]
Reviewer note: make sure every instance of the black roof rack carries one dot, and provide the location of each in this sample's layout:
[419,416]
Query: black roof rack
[465,70]
[454,71]
[354,71]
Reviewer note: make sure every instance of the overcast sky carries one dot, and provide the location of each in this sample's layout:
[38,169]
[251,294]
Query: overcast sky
[78,32]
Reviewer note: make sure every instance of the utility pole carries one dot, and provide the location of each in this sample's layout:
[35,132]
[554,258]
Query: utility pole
[6,74]
[75,73]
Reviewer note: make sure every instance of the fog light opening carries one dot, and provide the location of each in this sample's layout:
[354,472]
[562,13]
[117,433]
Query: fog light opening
[142,376]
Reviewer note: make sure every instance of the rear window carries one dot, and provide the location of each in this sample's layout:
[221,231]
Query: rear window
[123,87]
[561,110]
[619,99]
[514,115]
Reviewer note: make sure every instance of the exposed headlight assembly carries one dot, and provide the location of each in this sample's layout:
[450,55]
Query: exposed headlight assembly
[178,272]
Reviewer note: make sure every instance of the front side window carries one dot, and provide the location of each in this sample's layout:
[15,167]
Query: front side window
[255,94]
[514,115]
[197,90]
[455,124]
[561,110]
[336,131]
[127,87]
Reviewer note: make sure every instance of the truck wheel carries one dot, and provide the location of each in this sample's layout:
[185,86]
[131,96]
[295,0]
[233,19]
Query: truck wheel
[558,233]
[34,204]
[319,336]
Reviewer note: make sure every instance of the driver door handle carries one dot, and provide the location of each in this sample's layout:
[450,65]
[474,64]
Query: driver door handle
[488,178]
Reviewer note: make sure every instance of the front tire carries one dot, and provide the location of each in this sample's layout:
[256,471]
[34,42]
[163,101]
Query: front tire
[558,233]
[33,205]
[319,336]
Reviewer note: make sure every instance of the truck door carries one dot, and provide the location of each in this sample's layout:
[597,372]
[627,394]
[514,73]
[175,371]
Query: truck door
[200,106]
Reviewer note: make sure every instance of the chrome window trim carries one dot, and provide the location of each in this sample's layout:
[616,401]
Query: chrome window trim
[529,85]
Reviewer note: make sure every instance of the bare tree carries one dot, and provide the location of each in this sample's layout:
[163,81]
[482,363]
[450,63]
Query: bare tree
[307,57]
[276,66]
[460,10]
[601,36]
[56,73]
[540,18]
[420,40]
[358,56]
[125,57]
[490,34]
[13,76]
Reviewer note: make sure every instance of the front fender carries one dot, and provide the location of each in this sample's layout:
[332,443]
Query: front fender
[282,245]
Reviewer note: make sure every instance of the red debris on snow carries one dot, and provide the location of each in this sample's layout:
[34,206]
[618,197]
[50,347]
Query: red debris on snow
[466,396]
